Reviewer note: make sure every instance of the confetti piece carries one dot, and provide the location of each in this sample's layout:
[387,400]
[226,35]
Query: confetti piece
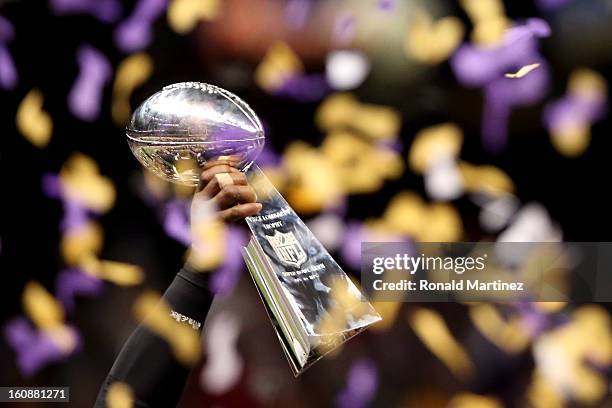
[407,214]
[107,11]
[131,73]
[522,71]
[85,96]
[71,283]
[135,32]
[389,312]
[541,394]
[344,29]
[488,17]
[278,65]
[361,385]
[41,307]
[468,400]
[355,234]
[119,273]
[79,243]
[443,180]
[182,338]
[569,119]
[344,111]
[297,13]
[477,66]
[227,276]
[313,183]
[32,121]
[346,69]
[496,213]
[184,15]
[434,143]
[119,395]
[432,42]
[361,166]
[82,183]
[329,230]
[486,179]
[8,71]
[531,224]
[224,364]
[431,329]
[176,221]
[209,246]
[509,336]
[35,349]
[566,356]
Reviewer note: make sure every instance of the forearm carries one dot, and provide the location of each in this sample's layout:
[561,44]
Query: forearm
[146,362]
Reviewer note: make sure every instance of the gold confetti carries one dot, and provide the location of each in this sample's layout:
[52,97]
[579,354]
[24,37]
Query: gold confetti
[82,183]
[183,15]
[361,166]
[79,243]
[489,19]
[41,307]
[342,111]
[131,73]
[279,64]
[313,181]
[564,355]
[32,121]
[587,84]
[209,244]
[431,42]
[509,336]
[541,394]
[184,341]
[522,71]
[431,329]
[433,143]
[119,395]
[389,312]
[469,400]
[119,273]
[407,214]
[485,179]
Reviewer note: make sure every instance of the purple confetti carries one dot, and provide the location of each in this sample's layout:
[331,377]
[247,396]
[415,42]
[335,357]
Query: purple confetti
[8,71]
[476,66]
[344,28]
[107,11]
[176,221]
[226,277]
[304,88]
[361,385]
[74,282]
[135,33]
[573,109]
[297,12]
[75,215]
[386,5]
[85,96]
[35,349]
[551,5]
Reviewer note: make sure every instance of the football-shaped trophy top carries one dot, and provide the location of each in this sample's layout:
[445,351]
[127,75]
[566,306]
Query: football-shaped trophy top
[178,129]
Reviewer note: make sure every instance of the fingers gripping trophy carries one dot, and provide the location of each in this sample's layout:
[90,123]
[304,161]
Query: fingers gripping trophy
[312,303]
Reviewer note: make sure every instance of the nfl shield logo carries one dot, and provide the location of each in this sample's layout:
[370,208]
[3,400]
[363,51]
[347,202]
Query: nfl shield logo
[287,248]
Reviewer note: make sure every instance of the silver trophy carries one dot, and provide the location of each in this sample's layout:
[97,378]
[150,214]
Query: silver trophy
[312,303]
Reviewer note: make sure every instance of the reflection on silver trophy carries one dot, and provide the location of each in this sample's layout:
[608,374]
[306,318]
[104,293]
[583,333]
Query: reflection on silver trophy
[313,305]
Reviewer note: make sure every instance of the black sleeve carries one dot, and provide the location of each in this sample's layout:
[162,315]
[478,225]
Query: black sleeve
[146,362]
